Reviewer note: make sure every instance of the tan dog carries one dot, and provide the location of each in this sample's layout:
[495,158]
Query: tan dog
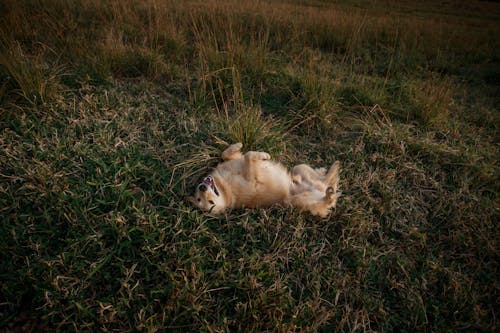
[251,180]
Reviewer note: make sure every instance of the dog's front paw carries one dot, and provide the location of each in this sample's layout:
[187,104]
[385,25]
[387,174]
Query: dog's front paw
[257,156]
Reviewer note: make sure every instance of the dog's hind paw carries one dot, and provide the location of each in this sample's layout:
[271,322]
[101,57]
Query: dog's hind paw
[331,196]
[330,193]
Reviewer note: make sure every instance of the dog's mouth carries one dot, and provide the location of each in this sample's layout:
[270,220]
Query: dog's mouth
[208,182]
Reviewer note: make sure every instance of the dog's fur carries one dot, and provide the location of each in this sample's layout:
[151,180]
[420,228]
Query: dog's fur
[251,180]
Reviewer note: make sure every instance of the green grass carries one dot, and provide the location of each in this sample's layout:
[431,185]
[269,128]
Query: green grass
[111,112]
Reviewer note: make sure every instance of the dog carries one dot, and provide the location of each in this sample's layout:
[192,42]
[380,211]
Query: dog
[252,180]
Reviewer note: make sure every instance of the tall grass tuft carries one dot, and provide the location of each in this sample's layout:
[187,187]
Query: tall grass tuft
[226,39]
[237,119]
[432,101]
[315,97]
[254,130]
[124,59]
[34,79]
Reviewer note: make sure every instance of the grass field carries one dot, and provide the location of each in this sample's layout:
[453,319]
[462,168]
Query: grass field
[112,111]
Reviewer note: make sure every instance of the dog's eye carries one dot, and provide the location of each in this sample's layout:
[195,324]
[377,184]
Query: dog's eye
[199,199]
[211,202]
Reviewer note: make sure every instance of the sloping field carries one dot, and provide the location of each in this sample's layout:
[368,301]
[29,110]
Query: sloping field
[112,111]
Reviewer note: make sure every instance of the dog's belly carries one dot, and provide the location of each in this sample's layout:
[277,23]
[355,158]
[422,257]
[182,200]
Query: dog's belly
[260,196]
[270,185]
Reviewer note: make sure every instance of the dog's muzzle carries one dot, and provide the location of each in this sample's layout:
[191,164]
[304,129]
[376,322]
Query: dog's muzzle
[208,182]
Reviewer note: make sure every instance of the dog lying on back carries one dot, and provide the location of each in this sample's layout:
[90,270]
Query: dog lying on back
[252,180]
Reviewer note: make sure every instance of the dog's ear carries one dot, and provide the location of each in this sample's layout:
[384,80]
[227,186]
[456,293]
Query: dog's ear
[192,200]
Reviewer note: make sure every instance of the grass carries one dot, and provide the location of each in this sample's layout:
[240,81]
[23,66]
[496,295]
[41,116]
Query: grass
[111,112]
[32,79]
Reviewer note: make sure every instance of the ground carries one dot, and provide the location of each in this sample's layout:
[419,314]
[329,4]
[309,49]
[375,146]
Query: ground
[111,112]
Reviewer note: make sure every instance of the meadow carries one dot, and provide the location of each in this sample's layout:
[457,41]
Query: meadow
[112,111]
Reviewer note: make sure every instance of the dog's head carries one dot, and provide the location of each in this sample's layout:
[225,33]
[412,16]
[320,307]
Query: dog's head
[208,197]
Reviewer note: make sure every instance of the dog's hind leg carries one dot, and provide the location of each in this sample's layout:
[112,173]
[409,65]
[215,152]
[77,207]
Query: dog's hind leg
[305,201]
[332,177]
[232,152]
[304,172]
[316,202]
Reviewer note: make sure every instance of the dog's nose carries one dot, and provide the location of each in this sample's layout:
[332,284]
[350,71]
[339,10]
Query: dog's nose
[202,187]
